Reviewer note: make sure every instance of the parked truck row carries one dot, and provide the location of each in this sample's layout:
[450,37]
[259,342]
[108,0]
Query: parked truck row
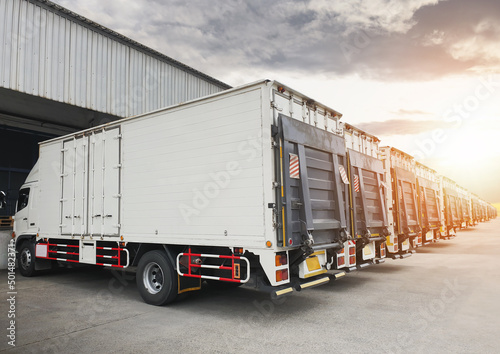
[258,185]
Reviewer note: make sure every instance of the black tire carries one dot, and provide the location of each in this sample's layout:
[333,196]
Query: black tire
[26,259]
[156,278]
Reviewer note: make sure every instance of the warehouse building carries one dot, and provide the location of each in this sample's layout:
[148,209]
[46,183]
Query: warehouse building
[61,72]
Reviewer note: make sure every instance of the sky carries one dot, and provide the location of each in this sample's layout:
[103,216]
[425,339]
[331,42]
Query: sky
[422,75]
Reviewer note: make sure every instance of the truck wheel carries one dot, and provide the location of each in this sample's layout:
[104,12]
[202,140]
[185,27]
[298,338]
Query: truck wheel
[26,259]
[156,279]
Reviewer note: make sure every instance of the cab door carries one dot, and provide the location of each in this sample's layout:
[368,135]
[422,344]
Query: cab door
[21,217]
[26,217]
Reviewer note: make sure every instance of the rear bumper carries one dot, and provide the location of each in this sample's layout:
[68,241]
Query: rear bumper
[402,255]
[303,284]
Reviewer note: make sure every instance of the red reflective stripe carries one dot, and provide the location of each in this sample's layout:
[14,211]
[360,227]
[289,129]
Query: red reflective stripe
[218,267]
[58,244]
[230,280]
[230,257]
[60,259]
[189,261]
[189,254]
[109,265]
[294,166]
[232,269]
[191,275]
[201,255]
[63,252]
[343,175]
[356,183]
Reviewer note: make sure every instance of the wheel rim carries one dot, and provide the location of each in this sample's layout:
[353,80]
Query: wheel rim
[153,278]
[25,258]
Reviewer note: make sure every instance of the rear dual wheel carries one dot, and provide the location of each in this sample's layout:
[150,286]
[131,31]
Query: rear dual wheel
[156,278]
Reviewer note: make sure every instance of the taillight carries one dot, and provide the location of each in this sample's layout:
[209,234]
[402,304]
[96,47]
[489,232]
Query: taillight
[352,251]
[281,259]
[281,275]
[340,261]
[352,260]
[382,250]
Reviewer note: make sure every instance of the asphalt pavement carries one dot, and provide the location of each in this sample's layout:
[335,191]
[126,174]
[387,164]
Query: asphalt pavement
[445,298]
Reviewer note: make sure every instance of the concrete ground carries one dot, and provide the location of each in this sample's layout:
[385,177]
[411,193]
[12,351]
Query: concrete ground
[445,298]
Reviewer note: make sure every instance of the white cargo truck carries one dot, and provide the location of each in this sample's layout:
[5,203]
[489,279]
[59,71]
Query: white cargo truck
[429,203]
[243,186]
[369,223]
[404,224]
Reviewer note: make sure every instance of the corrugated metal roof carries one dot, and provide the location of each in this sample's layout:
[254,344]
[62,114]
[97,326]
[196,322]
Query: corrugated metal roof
[51,52]
[117,36]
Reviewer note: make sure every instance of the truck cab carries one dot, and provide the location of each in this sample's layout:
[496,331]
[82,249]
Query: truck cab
[26,223]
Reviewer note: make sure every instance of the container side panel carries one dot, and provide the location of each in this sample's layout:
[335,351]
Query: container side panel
[196,172]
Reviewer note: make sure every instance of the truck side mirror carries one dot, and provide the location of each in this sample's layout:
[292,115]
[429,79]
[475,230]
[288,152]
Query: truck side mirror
[2,200]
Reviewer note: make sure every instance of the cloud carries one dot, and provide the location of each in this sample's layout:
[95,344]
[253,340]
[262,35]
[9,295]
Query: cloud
[377,39]
[400,127]
[410,112]
[390,16]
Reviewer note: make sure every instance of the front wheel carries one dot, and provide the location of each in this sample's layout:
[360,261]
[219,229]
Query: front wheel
[26,259]
[156,278]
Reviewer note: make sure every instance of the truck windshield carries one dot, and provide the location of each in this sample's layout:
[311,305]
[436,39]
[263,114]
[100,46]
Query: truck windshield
[3,198]
[22,201]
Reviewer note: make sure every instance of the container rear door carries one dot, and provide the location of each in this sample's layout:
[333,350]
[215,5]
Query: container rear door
[429,204]
[368,211]
[460,209]
[406,197]
[104,182]
[312,169]
[465,210]
[451,207]
[90,184]
[74,175]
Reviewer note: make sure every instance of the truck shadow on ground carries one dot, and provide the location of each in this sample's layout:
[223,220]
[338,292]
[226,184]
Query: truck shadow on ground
[446,245]
[229,303]
[469,229]
[122,286]
[390,266]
